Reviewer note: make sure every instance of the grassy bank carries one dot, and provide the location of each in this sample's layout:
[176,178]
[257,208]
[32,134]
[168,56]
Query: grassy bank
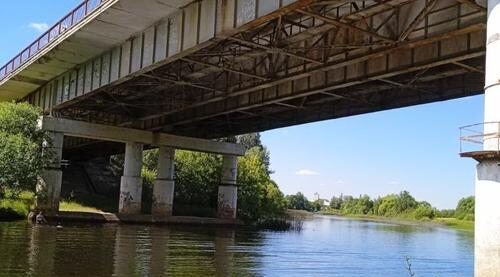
[436,222]
[72,206]
[465,225]
[16,208]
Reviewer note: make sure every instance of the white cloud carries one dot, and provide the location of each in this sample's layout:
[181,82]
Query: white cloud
[307,172]
[39,27]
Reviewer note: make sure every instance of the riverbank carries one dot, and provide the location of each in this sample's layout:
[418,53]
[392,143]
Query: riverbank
[454,223]
[19,207]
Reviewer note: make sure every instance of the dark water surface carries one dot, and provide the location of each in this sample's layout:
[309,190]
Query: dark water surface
[326,246]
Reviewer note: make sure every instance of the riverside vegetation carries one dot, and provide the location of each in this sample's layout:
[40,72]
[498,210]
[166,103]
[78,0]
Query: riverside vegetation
[402,207]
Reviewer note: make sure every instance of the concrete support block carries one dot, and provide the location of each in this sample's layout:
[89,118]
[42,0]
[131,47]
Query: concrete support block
[131,181]
[164,185]
[48,188]
[228,191]
[487,219]
[163,197]
[227,202]
[229,170]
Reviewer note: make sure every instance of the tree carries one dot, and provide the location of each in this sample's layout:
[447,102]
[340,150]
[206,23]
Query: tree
[362,205]
[424,210]
[21,159]
[336,202]
[258,196]
[465,208]
[316,205]
[298,202]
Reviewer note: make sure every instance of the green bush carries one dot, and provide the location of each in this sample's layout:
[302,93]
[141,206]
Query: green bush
[21,157]
[424,210]
[357,206]
[465,208]
[298,201]
[148,178]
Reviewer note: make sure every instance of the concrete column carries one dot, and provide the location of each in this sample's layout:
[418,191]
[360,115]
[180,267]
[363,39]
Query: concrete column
[48,188]
[228,190]
[131,181]
[164,185]
[487,210]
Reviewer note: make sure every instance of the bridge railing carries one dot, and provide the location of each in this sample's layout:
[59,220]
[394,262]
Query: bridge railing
[70,20]
[480,137]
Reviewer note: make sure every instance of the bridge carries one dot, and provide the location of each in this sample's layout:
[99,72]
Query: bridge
[115,76]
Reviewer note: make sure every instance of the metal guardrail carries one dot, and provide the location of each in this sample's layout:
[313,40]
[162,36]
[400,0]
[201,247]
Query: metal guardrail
[481,136]
[70,20]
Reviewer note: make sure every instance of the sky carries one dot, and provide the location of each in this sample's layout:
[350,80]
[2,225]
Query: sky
[414,149]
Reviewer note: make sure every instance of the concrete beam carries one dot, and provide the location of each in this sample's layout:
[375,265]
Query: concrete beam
[120,134]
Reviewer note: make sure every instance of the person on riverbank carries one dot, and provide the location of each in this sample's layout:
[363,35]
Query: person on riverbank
[40,218]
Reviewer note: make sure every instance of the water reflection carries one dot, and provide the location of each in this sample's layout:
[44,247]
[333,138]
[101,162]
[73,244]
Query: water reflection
[41,251]
[325,247]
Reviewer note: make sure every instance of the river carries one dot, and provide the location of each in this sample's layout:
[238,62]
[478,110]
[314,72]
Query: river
[326,246]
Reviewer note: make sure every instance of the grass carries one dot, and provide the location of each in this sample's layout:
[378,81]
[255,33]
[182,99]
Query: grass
[16,208]
[73,206]
[465,225]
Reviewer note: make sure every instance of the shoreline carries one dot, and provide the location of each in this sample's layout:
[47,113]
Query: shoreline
[451,223]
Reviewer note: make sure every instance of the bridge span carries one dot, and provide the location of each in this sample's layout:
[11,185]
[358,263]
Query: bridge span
[198,70]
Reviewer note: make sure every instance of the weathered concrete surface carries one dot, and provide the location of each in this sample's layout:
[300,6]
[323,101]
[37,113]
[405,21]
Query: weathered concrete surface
[487,209]
[48,186]
[228,191]
[121,134]
[131,182]
[487,219]
[110,24]
[164,185]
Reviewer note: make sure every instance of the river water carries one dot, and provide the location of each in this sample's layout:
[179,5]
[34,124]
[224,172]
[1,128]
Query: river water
[326,246]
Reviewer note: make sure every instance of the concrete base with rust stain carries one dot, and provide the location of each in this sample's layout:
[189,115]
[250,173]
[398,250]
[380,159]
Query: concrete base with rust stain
[137,219]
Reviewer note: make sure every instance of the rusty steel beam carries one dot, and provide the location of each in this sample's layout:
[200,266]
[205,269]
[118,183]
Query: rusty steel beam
[341,24]
[420,17]
[273,50]
[328,66]
[339,85]
[223,68]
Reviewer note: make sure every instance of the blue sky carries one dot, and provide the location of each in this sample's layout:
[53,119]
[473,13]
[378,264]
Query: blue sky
[414,149]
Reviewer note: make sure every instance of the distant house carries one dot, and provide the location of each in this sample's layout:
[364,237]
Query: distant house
[323,202]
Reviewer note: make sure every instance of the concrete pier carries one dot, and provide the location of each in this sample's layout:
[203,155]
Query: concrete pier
[228,191]
[48,188]
[164,185]
[487,217]
[131,181]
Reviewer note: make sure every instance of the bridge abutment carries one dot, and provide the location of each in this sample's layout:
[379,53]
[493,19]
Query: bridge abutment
[228,190]
[131,181]
[164,185]
[48,188]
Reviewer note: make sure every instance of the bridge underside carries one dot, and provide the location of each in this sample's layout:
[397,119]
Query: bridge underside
[319,60]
